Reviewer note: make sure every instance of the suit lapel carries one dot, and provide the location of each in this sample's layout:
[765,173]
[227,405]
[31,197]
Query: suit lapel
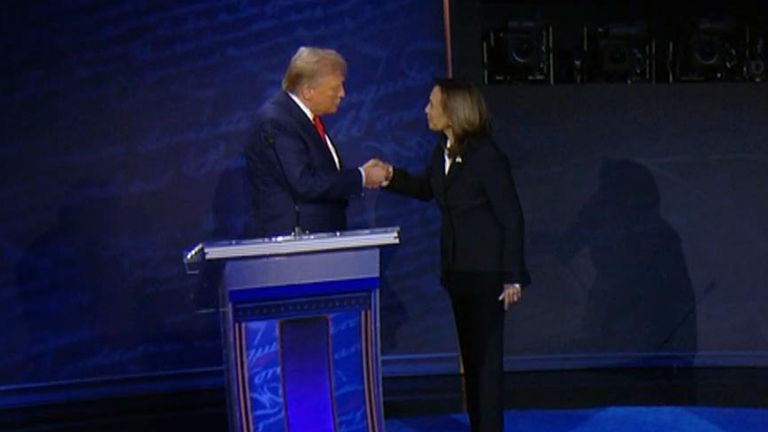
[336,150]
[438,174]
[320,146]
[309,133]
[459,164]
[453,172]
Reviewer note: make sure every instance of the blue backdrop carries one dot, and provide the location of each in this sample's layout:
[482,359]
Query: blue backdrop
[122,125]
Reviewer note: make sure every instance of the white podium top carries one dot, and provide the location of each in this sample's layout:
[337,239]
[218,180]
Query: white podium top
[289,244]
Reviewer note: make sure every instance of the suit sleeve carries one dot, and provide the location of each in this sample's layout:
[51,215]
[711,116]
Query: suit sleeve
[414,186]
[305,178]
[502,194]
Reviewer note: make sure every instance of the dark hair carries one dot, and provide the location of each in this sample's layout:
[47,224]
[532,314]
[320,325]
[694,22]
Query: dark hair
[466,111]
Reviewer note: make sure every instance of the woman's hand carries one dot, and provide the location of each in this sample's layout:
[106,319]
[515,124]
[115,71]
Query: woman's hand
[511,295]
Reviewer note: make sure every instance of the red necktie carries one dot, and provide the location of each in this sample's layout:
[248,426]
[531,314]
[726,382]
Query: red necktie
[321,130]
[319,126]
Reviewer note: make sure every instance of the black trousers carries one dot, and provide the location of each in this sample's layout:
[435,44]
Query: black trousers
[479,317]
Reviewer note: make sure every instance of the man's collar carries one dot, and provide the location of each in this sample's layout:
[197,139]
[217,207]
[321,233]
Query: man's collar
[302,106]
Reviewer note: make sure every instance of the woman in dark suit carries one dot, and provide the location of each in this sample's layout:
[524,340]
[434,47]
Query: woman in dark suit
[481,237]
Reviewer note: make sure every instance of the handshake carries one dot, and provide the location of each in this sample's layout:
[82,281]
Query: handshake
[377,173]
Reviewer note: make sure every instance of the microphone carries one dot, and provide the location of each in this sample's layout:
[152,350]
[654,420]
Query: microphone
[269,139]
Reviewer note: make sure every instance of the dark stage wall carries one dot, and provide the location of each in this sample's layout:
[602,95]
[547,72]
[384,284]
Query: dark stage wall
[121,131]
[647,228]
[647,221]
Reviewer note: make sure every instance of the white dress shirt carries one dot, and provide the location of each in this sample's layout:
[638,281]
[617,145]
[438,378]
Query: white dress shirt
[326,138]
[448,160]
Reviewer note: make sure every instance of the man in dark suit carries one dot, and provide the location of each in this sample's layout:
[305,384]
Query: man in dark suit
[481,238]
[298,179]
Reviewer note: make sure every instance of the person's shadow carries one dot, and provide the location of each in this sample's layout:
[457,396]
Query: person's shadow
[641,299]
[230,218]
[71,306]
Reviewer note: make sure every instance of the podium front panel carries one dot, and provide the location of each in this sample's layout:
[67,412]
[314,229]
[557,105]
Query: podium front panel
[302,331]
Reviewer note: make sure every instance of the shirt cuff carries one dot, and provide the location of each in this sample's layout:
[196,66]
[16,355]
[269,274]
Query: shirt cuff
[362,174]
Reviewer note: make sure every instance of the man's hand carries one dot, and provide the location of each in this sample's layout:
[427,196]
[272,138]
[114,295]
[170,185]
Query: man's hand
[376,173]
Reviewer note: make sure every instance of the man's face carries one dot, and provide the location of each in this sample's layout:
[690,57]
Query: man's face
[324,96]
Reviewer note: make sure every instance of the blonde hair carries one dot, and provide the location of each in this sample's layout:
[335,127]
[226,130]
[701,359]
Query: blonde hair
[310,64]
[466,111]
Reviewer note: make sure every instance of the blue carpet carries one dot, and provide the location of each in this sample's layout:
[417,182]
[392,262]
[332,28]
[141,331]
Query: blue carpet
[613,419]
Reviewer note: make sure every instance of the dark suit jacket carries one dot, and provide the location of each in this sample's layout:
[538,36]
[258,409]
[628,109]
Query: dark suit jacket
[482,221]
[283,135]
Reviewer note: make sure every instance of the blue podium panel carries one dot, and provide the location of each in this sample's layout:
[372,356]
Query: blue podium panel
[349,359]
[309,363]
[257,343]
[305,358]
[353,397]
[300,328]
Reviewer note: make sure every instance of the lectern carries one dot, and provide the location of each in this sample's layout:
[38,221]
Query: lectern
[300,324]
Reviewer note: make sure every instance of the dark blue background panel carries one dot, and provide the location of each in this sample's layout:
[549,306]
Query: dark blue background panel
[122,127]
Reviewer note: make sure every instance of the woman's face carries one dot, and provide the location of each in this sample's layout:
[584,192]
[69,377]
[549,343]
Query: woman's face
[436,117]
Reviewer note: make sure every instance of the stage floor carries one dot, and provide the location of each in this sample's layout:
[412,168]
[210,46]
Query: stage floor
[701,400]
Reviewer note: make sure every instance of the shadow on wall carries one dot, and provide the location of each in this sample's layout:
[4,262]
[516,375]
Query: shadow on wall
[230,219]
[232,198]
[641,299]
[74,305]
